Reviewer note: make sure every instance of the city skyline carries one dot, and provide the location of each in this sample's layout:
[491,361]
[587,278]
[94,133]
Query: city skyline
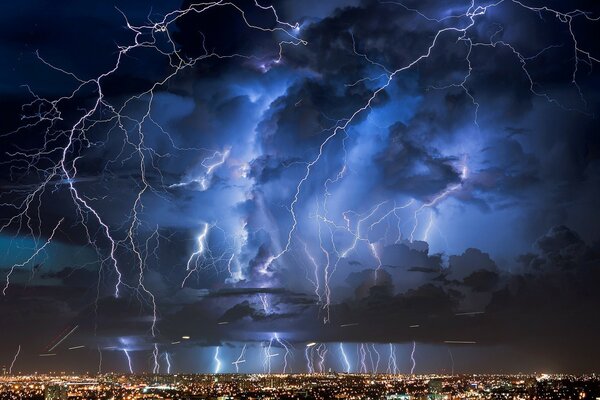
[355,186]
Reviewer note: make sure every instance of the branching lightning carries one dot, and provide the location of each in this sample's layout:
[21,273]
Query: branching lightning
[64,146]
[392,367]
[286,346]
[321,353]
[64,149]
[240,359]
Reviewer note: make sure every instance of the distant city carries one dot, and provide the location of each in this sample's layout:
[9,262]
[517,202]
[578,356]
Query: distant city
[298,386]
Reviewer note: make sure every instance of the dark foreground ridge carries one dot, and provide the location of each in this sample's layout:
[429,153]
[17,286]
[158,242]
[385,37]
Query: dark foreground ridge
[299,386]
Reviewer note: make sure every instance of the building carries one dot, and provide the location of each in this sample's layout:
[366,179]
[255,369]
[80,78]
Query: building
[56,392]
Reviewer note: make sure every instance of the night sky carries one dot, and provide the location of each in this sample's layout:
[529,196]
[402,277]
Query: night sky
[372,178]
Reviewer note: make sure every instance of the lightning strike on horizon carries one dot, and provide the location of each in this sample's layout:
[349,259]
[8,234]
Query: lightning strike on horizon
[217,360]
[168,361]
[240,359]
[345,358]
[392,367]
[286,347]
[156,367]
[267,355]
[321,350]
[376,366]
[308,355]
[128,360]
[362,358]
[14,360]
[64,169]
[99,360]
[412,358]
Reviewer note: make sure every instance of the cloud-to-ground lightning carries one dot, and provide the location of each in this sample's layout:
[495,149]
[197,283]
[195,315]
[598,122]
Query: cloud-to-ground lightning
[217,360]
[345,358]
[64,151]
[156,367]
[168,362]
[412,358]
[375,367]
[392,367]
[308,355]
[267,355]
[286,346]
[362,358]
[240,360]
[99,360]
[63,148]
[464,32]
[14,360]
[321,350]
[128,357]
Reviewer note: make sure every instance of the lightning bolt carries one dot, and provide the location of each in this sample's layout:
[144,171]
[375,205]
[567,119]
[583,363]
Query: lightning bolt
[217,360]
[31,258]
[434,201]
[240,359]
[345,358]
[412,358]
[286,347]
[321,353]
[64,147]
[462,30]
[168,361]
[314,281]
[362,356]
[308,354]
[210,163]
[375,367]
[264,301]
[268,356]
[201,240]
[12,364]
[392,367]
[99,360]
[128,360]
[156,368]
